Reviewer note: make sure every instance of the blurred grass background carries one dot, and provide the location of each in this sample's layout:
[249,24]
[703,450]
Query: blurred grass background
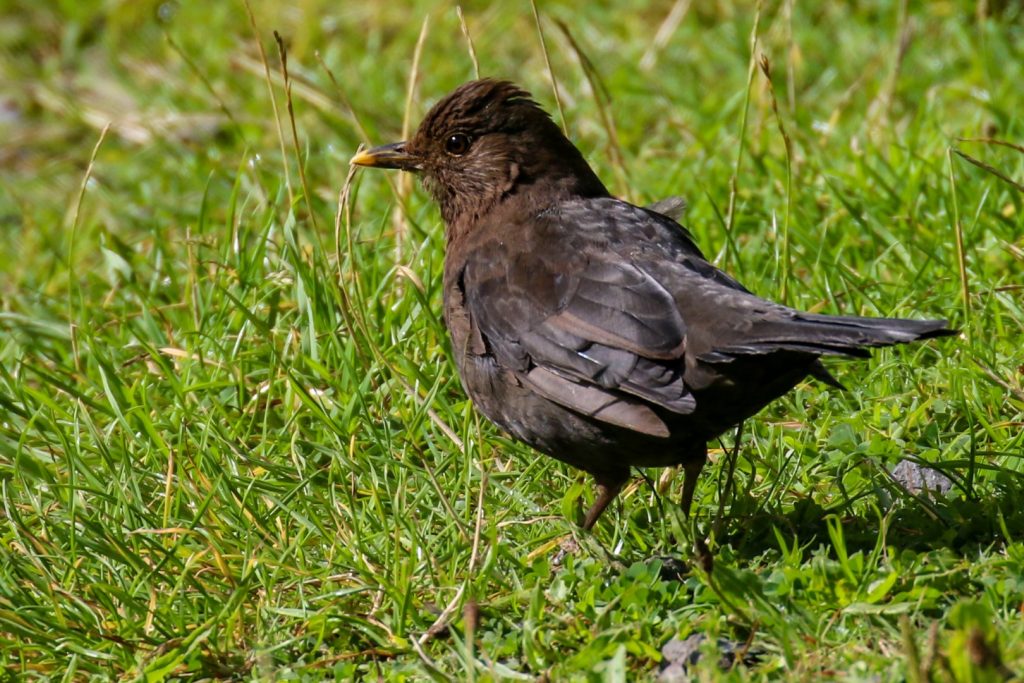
[232,442]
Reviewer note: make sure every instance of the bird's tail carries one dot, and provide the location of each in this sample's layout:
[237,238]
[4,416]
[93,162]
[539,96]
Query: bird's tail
[835,334]
[853,332]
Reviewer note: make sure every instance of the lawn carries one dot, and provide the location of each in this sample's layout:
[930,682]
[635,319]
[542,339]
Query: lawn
[233,444]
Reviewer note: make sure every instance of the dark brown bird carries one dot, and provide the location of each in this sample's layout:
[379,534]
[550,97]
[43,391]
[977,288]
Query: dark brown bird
[592,329]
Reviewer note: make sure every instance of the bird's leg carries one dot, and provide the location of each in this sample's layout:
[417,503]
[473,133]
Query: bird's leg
[693,463]
[607,489]
[691,470]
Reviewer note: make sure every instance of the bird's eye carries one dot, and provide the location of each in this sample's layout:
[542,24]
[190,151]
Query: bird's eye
[457,144]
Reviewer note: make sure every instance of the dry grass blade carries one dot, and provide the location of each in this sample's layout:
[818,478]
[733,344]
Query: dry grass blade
[958,232]
[992,375]
[766,69]
[442,619]
[75,217]
[431,665]
[478,527]
[192,281]
[547,64]
[989,169]
[792,52]
[881,107]
[405,179]
[355,324]
[994,141]
[603,100]
[664,33]
[414,77]
[76,214]
[295,133]
[730,216]
[438,421]
[273,102]
[469,41]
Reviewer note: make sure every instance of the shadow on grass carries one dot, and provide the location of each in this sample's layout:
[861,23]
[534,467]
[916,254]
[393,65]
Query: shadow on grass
[952,521]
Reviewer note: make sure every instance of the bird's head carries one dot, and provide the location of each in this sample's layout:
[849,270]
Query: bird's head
[484,143]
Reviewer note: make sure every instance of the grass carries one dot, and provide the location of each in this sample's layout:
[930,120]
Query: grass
[232,440]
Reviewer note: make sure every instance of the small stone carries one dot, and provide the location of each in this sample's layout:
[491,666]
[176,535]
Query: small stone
[917,478]
[679,655]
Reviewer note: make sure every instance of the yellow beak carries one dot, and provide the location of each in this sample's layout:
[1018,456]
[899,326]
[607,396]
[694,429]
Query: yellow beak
[388,156]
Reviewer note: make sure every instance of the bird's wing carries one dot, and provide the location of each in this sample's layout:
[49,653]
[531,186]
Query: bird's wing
[611,310]
[578,322]
[672,207]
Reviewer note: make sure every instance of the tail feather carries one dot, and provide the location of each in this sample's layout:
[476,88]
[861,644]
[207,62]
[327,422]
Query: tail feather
[835,335]
[861,332]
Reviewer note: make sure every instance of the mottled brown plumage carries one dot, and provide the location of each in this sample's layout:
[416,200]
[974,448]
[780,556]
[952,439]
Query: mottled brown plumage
[592,329]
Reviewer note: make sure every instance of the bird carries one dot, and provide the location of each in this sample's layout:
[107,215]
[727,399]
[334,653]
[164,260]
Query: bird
[592,329]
